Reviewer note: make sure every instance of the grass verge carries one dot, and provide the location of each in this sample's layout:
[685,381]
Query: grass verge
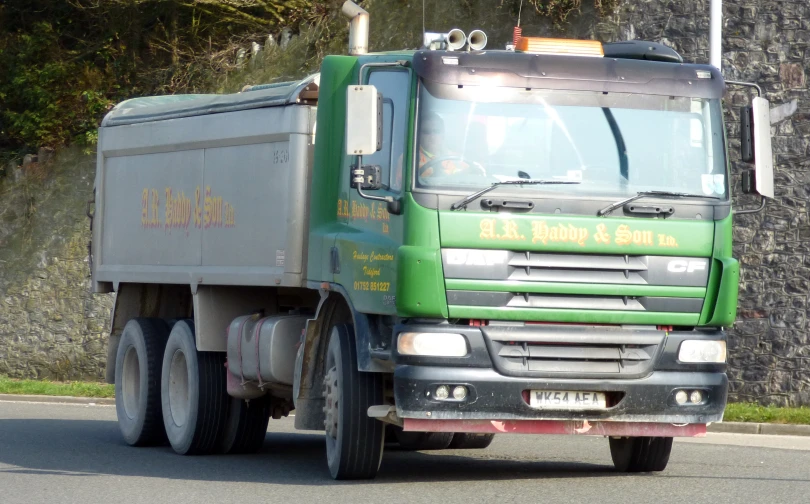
[748,412]
[49,388]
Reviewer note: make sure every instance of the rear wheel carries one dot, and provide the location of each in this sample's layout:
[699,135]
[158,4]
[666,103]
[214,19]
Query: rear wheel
[137,381]
[420,441]
[640,454]
[246,426]
[354,442]
[467,441]
[193,393]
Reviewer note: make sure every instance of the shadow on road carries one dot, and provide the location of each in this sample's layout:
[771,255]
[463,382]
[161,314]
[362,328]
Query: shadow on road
[86,448]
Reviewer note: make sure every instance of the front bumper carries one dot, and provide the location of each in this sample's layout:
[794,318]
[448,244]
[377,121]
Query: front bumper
[499,393]
[496,397]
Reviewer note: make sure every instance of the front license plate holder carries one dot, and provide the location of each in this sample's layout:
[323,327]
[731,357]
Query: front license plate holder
[567,400]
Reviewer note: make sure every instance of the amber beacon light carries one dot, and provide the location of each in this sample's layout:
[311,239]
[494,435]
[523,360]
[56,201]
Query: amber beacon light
[539,45]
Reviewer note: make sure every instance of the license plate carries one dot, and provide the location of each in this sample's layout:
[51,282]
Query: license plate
[567,400]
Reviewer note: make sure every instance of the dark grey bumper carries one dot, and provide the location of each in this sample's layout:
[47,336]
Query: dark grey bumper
[497,397]
[640,382]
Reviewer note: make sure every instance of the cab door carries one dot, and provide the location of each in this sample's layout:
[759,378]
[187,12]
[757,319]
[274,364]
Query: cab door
[367,248]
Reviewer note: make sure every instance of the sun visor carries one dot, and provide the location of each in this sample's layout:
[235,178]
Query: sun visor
[573,73]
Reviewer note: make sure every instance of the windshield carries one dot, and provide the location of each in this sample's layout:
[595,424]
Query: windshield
[614,144]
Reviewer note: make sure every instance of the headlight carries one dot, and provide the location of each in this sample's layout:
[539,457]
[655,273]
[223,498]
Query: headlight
[432,344]
[702,351]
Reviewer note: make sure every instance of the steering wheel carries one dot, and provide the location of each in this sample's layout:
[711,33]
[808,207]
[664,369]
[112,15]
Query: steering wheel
[440,159]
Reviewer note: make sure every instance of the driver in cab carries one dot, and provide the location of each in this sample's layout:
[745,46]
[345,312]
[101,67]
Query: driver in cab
[434,156]
[432,147]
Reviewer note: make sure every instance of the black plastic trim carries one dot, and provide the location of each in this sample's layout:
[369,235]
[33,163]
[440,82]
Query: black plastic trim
[669,358]
[574,302]
[521,70]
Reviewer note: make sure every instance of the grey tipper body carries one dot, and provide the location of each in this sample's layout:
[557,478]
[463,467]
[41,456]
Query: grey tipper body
[253,150]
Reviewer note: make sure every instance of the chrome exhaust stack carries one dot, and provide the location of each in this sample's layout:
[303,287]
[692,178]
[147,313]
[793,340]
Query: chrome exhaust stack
[453,40]
[358,29]
[477,40]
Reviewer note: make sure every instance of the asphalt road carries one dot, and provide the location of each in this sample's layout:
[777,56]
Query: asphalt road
[64,454]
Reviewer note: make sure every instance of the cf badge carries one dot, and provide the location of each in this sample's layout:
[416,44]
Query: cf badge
[686,266]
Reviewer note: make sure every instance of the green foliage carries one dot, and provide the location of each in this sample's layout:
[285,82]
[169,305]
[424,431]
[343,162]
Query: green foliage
[749,412]
[64,64]
[397,25]
[49,388]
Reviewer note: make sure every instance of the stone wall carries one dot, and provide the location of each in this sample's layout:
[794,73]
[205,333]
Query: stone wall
[764,41]
[51,326]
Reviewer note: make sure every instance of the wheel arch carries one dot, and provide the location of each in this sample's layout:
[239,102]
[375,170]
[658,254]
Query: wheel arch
[335,307]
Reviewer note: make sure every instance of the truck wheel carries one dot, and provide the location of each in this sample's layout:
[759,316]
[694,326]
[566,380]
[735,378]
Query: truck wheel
[467,441]
[246,426]
[137,381]
[421,441]
[193,393]
[354,442]
[640,454]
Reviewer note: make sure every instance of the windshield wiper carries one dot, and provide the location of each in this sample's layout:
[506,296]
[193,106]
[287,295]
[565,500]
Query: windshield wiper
[644,194]
[467,199]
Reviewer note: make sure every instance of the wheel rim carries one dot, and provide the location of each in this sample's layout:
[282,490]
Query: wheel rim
[332,398]
[331,392]
[131,383]
[178,389]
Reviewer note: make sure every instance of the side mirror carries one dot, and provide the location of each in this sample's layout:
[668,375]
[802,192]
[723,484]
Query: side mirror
[755,141]
[364,120]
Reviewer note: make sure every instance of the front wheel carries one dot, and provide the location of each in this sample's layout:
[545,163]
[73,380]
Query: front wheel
[354,442]
[640,454]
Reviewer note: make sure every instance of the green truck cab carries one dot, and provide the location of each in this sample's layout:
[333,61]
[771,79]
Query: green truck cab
[548,231]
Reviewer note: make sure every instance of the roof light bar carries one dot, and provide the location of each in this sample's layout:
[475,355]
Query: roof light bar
[539,45]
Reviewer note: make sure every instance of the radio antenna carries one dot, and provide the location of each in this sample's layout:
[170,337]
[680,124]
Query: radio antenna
[423,20]
[520,11]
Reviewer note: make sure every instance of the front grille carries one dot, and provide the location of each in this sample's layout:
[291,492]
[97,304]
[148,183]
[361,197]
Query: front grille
[472,264]
[574,302]
[555,351]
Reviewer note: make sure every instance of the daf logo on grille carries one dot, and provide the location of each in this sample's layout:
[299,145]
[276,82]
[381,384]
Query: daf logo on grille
[476,257]
[685,266]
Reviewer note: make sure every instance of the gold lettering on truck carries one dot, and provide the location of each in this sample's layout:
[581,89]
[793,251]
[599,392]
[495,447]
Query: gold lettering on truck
[544,233]
[209,210]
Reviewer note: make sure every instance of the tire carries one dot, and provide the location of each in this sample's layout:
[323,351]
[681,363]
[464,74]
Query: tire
[137,381]
[246,426]
[640,454]
[466,441]
[421,441]
[354,442]
[193,393]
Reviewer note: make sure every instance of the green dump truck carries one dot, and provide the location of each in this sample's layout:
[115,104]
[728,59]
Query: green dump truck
[427,248]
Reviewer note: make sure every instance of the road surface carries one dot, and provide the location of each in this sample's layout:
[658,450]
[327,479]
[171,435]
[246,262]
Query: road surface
[65,454]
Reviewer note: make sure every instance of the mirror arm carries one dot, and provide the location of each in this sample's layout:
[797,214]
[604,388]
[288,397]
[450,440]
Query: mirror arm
[746,84]
[393,204]
[752,210]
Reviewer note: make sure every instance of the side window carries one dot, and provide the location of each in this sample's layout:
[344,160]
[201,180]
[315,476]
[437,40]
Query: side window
[394,86]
